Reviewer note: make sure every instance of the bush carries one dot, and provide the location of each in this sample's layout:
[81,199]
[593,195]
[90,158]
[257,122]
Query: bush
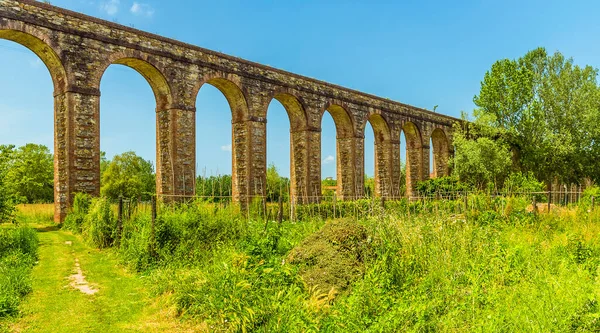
[100,225]
[442,186]
[81,207]
[18,253]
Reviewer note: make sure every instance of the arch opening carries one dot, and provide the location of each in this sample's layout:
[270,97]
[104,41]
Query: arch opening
[370,159]
[282,174]
[217,97]
[19,101]
[345,158]
[26,129]
[128,135]
[329,160]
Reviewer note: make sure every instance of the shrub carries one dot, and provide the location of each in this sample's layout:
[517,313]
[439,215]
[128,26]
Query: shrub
[81,207]
[18,253]
[100,225]
[441,186]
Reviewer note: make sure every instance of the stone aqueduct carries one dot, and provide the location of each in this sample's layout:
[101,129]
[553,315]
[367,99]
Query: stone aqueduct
[77,49]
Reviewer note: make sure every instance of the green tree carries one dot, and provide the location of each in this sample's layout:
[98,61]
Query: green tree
[547,109]
[30,174]
[481,161]
[6,202]
[277,186]
[216,187]
[130,176]
[369,187]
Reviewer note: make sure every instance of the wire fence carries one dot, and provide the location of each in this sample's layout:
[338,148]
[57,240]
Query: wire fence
[304,208]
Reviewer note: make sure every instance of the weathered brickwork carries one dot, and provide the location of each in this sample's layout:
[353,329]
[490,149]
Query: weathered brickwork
[77,49]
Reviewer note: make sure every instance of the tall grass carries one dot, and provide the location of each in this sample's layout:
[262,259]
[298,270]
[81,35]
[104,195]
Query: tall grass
[484,264]
[35,213]
[18,253]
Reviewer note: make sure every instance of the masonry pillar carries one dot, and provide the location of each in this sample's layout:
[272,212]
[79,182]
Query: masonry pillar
[414,169]
[76,147]
[257,151]
[176,153]
[314,191]
[384,168]
[397,179]
[249,177]
[347,164]
[359,167]
[426,161]
[305,184]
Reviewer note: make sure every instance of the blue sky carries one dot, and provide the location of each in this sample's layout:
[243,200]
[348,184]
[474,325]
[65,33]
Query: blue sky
[423,53]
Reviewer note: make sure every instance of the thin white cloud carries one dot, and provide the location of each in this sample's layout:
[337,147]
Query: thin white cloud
[226,147]
[142,9]
[111,7]
[328,159]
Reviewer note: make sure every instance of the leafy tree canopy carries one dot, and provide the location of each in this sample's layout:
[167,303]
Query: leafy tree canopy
[128,175]
[547,109]
[29,174]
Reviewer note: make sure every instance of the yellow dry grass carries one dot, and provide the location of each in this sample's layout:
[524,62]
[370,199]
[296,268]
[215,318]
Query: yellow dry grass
[35,213]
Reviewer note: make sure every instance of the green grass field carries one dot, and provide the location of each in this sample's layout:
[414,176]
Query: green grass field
[494,268]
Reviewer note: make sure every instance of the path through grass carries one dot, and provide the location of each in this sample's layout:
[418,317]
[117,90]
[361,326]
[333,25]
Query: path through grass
[121,304]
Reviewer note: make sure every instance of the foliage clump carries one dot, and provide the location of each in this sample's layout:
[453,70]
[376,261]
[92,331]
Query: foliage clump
[100,224]
[81,206]
[18,254]
[333,257]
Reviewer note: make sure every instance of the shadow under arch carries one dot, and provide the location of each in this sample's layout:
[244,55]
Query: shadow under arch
[441,153]
[383,154]
[414,157]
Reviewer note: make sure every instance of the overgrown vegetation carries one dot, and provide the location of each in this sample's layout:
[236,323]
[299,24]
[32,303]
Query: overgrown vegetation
[18,254]
[421,266]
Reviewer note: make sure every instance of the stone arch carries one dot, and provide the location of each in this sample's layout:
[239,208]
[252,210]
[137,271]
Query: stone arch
[294,109]
[441,153]
[233,93]
[39,44]
[344,125]
[380,126]
[414,156]
[145,67]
